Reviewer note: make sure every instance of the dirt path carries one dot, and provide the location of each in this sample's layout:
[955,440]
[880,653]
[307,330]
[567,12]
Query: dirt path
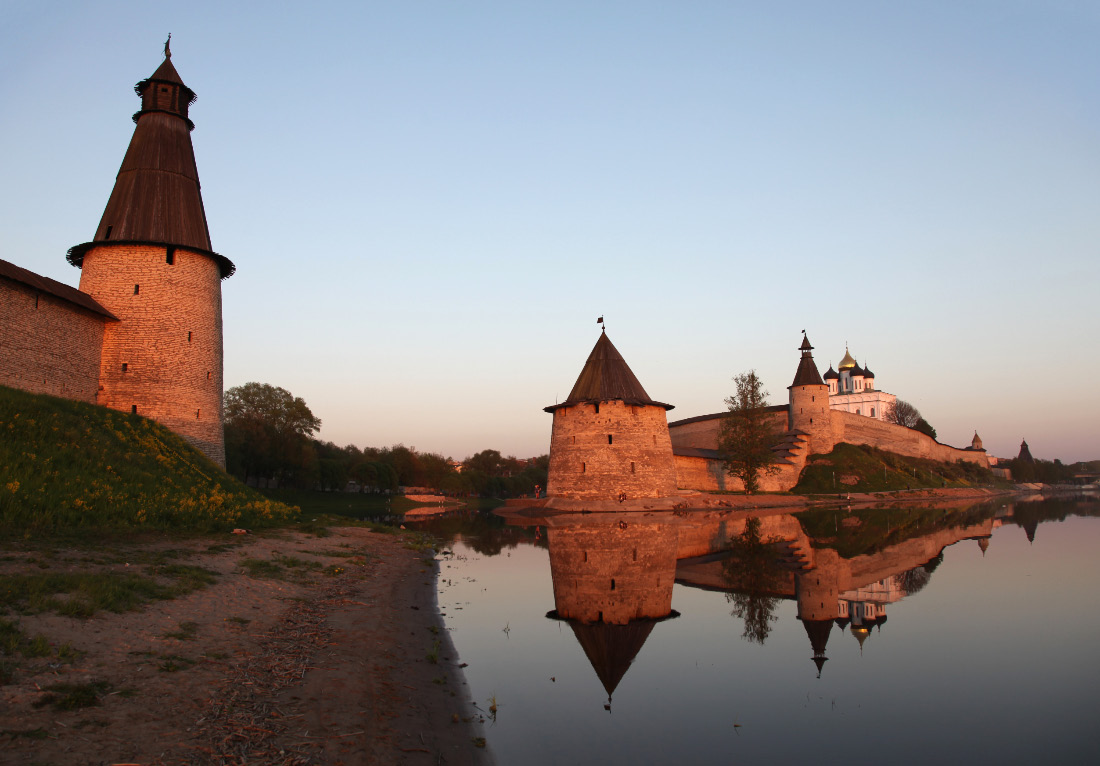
[326,650]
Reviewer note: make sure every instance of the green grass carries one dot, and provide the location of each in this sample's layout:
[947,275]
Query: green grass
[66,696]
[68,465]
[82,594]
[279,568]
[858,468]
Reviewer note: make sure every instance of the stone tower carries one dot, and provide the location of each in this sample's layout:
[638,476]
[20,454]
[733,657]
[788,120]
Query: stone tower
[151,265]
[610,441]
[809,403]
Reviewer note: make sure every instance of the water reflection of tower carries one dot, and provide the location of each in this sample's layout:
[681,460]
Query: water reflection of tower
[817,591]
[613,577]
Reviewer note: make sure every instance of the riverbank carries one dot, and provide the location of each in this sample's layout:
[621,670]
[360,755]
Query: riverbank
[298,649]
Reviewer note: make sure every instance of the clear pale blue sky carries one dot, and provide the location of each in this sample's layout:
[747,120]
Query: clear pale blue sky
[429,203]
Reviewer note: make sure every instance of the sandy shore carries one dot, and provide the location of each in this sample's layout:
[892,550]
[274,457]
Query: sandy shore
[329,650]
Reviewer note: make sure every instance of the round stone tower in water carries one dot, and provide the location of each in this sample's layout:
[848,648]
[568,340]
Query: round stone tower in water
[809,403]
[151,265]
[610,441]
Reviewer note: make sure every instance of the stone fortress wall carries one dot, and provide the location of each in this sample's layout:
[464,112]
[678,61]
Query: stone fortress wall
[164,359]
[610,448]
[49,345]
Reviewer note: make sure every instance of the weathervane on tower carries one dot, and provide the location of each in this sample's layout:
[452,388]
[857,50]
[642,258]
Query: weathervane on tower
[167,49]
[600,322]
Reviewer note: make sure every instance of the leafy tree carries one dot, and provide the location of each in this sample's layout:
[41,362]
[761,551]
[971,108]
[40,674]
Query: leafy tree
[925,428]
[267,433]
[754,572]
[747,434]
[902,413]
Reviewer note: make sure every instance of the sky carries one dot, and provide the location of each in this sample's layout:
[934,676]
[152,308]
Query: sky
[430,203]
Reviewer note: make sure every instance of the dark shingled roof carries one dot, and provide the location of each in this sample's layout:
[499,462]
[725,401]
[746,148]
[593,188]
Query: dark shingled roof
[867,372]
[807,374]
[156,199]
[53,287]
[606,377]
[831,374]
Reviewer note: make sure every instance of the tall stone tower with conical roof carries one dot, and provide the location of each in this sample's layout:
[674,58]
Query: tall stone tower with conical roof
[809,403]
[152,266]
[609,440]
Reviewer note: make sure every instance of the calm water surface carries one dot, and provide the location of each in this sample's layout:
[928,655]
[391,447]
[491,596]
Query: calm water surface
[906,635]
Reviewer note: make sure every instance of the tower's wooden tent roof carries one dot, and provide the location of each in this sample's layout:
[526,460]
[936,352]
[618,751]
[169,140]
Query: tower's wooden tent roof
[156,199]
[807,374]
[606,377]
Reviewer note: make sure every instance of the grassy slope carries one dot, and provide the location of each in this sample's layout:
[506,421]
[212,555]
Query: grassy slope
[866,469]
[67,465]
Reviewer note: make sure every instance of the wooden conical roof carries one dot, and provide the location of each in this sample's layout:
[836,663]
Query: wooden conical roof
[807,374]
[607,377]
[156,198]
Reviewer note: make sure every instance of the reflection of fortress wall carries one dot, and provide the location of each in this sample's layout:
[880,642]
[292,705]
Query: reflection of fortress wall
[613,572]
[818,589]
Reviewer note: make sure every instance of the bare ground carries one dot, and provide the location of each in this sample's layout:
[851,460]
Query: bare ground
[334,653]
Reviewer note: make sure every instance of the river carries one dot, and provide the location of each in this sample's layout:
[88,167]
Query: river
[905,635]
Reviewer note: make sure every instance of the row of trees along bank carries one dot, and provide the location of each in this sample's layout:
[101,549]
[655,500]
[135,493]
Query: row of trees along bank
[269,439]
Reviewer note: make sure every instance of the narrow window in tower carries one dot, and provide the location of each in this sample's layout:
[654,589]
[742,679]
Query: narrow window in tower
[137,289]
[208,376]
[811,421]
[36,300]
[609,438]
[654,438]
[584,467]
[133,409]
[574,439]
[632,466]
[170,256]
[635,554]
[188,336]
[197,413]
[597,408]
[586,557]
[108,234]
[813,398]
[612,583]
[125,365]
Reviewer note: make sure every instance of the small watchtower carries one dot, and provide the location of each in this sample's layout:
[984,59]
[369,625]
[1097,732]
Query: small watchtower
[610,440]
[809,403]
[152,266]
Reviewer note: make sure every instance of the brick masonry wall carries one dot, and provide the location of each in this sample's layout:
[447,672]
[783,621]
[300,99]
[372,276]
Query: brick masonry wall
[48,345]
[859,429]
[637,461]
[169,339]
[709,475]
[613,573]
[809,412]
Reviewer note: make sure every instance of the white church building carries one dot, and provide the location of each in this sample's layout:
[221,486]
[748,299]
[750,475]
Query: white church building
[852,389]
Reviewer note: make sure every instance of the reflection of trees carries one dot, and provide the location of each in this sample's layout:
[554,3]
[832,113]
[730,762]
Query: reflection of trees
[483,531]
[913,580]
[754,573]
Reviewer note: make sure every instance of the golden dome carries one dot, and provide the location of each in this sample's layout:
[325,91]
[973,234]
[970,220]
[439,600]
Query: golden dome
[847,362]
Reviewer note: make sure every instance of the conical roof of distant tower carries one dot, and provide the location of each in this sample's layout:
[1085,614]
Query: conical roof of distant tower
[606,377]
[807,374]
[848,362]
[156,199]
[1025,453]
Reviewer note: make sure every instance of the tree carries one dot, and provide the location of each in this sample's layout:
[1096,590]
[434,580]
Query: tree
[754,576]
[902,413]
[267,432]
[746,435]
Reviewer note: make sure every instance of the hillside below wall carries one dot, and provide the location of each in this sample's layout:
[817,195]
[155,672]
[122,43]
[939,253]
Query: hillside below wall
[48,345]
